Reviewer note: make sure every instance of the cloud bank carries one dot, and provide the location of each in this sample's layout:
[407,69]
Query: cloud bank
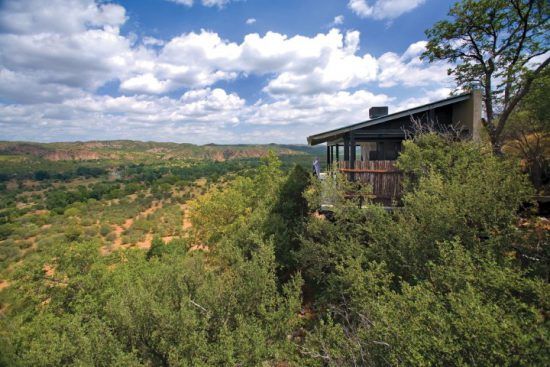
[56,60]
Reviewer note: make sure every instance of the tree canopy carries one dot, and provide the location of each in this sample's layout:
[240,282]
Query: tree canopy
[500,46]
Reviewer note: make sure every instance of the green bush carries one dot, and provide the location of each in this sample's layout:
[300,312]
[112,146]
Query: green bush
[72,212]
[73,233]
[105,229]
[5,230]
[25,244]
[434,282]
[110,237]
[9,252]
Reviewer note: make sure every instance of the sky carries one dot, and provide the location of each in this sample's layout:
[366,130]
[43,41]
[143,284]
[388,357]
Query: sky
[210,71]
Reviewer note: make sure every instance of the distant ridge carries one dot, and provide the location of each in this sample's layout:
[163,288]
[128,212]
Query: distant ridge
[126,149]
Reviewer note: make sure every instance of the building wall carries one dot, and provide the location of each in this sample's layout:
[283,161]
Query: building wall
[468,114]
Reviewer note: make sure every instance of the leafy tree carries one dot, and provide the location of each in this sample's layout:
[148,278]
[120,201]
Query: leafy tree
[41,175]
[285,222]
[156,248]
[218,212]
[469,312]
[529,130]
[498,45]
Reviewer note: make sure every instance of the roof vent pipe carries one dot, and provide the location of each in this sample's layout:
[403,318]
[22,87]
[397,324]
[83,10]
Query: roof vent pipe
[375,112]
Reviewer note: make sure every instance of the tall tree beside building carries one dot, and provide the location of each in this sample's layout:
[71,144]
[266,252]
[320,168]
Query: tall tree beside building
[499,45]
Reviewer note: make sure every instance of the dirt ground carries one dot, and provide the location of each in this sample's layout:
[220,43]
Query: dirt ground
[146,243]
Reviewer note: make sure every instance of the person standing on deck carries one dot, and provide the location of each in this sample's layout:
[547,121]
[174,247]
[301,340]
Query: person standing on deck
[317,167]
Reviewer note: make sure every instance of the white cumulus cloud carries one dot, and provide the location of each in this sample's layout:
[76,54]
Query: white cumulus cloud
[409,70]
[339,19]
[209,3]
[58,16]
[383,9]
[54,61]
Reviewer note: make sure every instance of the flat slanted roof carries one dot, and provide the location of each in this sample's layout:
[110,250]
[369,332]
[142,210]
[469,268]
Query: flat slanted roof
[333,134]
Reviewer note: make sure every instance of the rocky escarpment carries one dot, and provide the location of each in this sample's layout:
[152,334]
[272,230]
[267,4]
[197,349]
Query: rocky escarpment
[45,152]
[79,155]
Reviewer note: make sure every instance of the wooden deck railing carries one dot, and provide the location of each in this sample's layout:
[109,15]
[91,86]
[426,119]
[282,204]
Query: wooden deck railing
[383,176]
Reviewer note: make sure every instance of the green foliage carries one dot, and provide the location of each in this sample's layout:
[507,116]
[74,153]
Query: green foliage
[447,279]
[469,312]
[104,230]
[244,201]
[73,233]
[286,220]
[432,283]
[156,248]
[492,45]
[454,190]
[528,132]
[41,175]
[167,306]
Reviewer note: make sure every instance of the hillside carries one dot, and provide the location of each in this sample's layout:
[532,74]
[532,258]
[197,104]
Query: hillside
[26,160]
[128,150]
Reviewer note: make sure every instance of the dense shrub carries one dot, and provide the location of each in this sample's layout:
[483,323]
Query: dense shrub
[41,175]
[436,282]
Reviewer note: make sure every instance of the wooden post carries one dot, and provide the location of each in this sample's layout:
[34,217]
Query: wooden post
[346,148]
[352,155]
[431,118]
[328,157]
[346,152]
[337,154]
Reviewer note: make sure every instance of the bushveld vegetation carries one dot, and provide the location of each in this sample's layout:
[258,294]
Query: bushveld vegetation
[241,271]
[160,254]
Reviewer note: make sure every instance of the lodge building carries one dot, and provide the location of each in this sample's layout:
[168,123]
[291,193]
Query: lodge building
[367,150]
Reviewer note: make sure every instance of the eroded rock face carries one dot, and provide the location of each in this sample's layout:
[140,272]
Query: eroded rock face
[23,148]
[80,155]
[49,153]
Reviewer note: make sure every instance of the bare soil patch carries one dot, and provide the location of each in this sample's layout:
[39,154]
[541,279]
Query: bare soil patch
[4,284]
[119,230]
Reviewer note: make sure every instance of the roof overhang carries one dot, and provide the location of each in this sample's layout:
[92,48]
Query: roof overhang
[336,134]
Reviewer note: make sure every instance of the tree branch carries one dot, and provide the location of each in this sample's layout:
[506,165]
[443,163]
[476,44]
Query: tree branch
[521,93]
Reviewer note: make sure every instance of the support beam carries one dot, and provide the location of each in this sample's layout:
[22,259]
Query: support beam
[352,155]
[346,151]
[346,148]
[337,153]
[431,116]
[328,156]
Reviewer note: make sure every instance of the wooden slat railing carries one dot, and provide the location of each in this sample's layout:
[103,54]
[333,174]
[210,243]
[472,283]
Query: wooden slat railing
[383,176]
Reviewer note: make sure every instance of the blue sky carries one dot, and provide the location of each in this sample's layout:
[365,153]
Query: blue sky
[224,71]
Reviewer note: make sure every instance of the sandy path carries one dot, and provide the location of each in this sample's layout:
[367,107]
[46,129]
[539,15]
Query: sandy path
[186,221]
